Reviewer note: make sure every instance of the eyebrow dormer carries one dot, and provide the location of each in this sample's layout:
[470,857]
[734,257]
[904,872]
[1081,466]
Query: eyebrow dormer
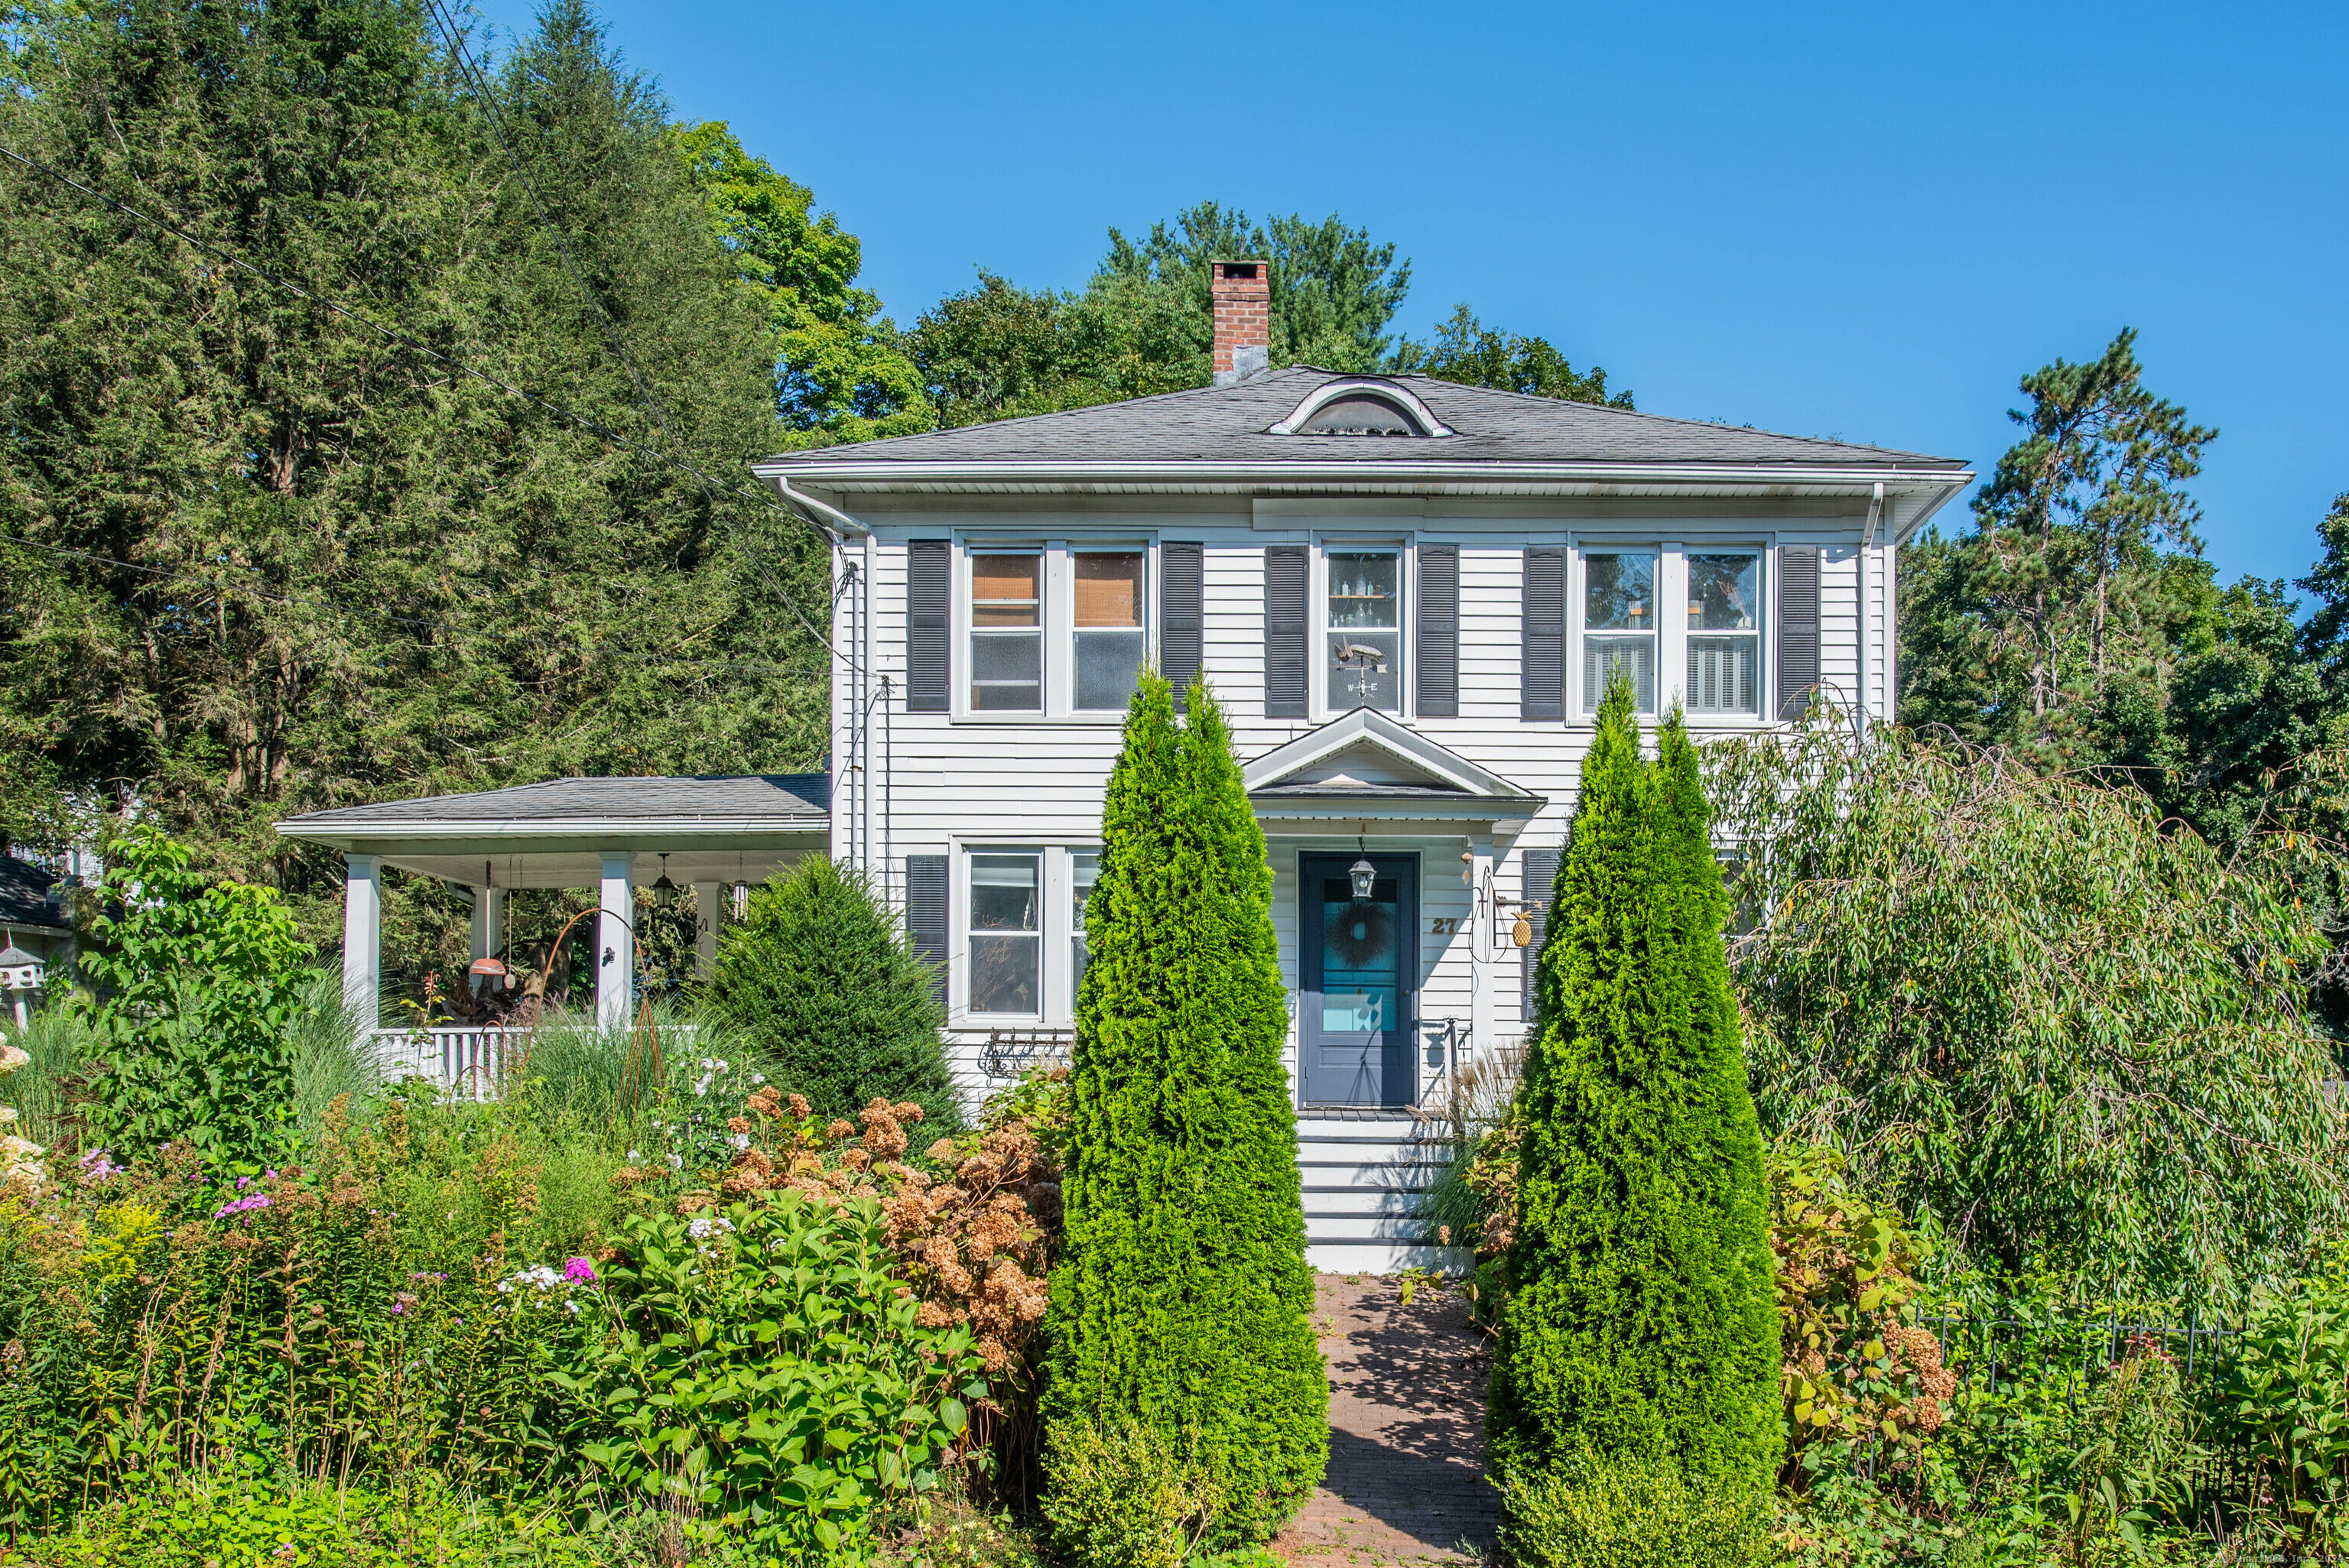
[1362,405]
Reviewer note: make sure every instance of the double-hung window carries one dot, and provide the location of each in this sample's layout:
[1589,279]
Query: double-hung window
[1724,633]
[1007,942]
[1618,624]
[1365,630]
[1007,631]
[1084,869]
[1108,637]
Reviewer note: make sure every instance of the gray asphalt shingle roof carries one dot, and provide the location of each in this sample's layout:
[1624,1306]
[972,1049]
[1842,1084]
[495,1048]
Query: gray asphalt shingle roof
[1227,425]
[28,898]
[754,797]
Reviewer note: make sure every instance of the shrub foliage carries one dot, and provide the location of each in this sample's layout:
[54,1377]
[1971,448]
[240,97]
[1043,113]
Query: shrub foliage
[1183,1297]
[1641,1320]
[821,976]
[2070,1034]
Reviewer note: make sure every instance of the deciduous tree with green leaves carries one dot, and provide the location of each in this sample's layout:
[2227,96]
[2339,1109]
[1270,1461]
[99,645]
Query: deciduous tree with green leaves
[1181,1296]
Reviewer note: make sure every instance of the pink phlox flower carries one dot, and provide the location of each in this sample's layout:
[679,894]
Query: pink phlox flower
[579,1271]
[242,1206]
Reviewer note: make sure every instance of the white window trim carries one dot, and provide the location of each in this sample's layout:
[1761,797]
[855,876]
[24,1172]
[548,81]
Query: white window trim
[1055,924]
[1328,701]
[1672,632]
[1057,618]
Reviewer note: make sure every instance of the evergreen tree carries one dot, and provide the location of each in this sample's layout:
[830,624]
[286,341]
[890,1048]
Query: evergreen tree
[1182,1299]
[1641,1319]
[819,972]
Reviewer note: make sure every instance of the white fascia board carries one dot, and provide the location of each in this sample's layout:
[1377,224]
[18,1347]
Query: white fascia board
[571,828]
[1369,808]
[1365,724]
[916,473]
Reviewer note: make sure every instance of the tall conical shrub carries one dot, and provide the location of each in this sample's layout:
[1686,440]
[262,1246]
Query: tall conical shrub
[1181,1301]
[1641,1319]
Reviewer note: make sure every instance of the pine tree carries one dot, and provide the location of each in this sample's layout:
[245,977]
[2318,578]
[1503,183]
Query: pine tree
[1641,1320]
[819,974]
[1183,1297]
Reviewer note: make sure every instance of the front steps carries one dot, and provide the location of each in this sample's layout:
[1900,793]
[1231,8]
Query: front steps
[1363,1174]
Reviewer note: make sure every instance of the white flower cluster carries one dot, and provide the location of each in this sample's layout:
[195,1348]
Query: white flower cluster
[704,1226]
[710,1068]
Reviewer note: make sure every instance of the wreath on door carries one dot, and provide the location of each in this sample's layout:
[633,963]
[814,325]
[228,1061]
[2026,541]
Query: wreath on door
[1358,932]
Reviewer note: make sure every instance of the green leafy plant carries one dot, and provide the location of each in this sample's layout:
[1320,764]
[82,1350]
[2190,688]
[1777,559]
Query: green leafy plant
[2284,1397]
[1855,1365]
[200,981]
[819,975]
[1629,1511]
[1125,1496]
[1639,1320]
[1182,1300]
[762,1375]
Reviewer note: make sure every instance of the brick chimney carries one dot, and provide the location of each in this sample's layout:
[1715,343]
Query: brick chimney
[1243,295]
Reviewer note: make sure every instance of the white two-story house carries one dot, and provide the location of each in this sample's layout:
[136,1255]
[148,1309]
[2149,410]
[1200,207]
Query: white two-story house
[1407,595]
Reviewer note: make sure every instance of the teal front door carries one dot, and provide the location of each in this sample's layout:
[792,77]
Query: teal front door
[1359,1013]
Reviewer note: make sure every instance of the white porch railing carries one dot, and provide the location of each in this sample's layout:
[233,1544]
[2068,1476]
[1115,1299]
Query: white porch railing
[472,1060]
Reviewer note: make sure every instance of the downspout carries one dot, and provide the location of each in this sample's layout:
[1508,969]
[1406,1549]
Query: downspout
[1867,549]
[839,527]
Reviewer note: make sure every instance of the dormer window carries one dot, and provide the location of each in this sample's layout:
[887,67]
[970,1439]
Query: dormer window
[1359,415]
[1362,405]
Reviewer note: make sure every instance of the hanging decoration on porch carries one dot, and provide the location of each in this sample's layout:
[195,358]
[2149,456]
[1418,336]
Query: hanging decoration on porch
[1359,932]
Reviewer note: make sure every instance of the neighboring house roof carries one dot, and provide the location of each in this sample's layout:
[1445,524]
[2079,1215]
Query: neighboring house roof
[27,900]
[572,805]
[1232,424]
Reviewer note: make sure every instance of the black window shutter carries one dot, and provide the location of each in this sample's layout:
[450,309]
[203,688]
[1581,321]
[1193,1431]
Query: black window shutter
[926,573]
[1181,572]
[1541,676]
[1798,628]
[925,914]
[1541,878]
[1439,631]
[1285,686]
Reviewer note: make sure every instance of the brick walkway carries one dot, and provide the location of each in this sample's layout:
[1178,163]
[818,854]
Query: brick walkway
[1406,1482]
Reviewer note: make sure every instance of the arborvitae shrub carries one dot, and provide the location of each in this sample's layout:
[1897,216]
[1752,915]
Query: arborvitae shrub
[819,974]
[1640,1321]
[1183,1300]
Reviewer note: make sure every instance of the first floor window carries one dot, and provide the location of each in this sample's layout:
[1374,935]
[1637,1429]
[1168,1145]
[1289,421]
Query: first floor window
[1365,612]
[1005,945]
[1084,869]
[1006,631]
[1724,628]
[1619,624]
[1109,630]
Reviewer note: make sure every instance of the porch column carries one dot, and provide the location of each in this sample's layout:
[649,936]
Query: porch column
[1487,944]
[705,930]
[489,933]
[616,944]
[362,937]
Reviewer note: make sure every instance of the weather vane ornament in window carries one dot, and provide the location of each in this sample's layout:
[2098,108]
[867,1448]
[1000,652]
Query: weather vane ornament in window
[1367,661]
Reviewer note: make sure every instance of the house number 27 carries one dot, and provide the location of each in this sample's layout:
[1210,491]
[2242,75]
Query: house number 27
[1444,927]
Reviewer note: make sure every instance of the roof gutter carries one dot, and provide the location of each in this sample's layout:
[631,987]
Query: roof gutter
[916,473]
[834,523]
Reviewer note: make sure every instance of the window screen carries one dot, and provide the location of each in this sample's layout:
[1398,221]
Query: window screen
[1724,625]
[1007,636]
[1619,626]
[1006,945]
[1109,631]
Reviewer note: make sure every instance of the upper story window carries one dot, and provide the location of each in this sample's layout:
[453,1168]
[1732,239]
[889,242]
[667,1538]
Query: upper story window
[1007,631]
[1359,415]
[1365,629]
[1725,626]
[1619,624]
[1109,635]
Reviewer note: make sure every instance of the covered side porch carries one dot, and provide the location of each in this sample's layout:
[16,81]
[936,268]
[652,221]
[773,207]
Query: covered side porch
[612,835]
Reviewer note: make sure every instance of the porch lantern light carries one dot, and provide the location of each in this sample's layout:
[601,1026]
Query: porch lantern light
[665,890]
[21,975]
[1365,875]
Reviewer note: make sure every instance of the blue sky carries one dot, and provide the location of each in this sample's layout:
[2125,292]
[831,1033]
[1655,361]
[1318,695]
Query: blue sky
[1864,221]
